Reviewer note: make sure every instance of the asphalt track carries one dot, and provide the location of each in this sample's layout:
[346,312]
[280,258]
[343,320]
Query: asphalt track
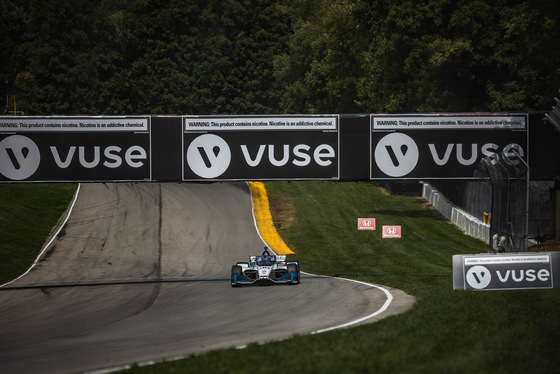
[140,272]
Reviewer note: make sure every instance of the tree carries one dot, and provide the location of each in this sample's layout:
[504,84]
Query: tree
[420,56]
[145,57]
[320,72]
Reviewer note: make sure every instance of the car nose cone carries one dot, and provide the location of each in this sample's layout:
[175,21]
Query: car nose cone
[264,273]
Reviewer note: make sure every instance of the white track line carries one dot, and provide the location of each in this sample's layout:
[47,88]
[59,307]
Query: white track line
[50,241]
[383,308]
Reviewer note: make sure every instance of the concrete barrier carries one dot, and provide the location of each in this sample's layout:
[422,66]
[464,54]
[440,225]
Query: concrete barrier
[466,222]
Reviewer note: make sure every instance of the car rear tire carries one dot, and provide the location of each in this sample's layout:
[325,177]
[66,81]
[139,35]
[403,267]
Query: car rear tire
[236,272]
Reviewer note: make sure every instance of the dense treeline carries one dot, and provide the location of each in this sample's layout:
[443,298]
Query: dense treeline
[263,56]
[142,57]
[422,56]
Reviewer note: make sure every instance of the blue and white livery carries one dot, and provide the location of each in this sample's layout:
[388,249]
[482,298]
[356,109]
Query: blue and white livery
[265,269]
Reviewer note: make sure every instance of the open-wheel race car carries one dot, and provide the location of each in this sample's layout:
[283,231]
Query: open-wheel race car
[265,269]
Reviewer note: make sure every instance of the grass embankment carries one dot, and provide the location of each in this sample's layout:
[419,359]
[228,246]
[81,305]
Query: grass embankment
[29,212]
[447,331]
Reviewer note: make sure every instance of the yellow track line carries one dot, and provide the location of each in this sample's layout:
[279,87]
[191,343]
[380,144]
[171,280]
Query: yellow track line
[263,219]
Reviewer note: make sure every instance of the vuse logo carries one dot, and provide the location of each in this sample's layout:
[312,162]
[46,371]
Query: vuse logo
[478,277]
[209,156]
[396,154]
[19,157]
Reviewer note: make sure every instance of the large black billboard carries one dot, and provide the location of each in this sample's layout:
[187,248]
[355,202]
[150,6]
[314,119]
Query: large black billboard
[75,149]
[443,146]
[270,147]
[303,147]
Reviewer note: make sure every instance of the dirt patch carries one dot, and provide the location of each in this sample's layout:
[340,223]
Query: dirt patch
[282,211]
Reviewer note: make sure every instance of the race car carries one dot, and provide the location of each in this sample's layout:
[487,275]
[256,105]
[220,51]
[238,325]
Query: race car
[265,269]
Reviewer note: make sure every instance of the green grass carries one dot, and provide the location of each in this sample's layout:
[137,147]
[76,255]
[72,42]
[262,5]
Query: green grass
[29,212]
[447,331]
